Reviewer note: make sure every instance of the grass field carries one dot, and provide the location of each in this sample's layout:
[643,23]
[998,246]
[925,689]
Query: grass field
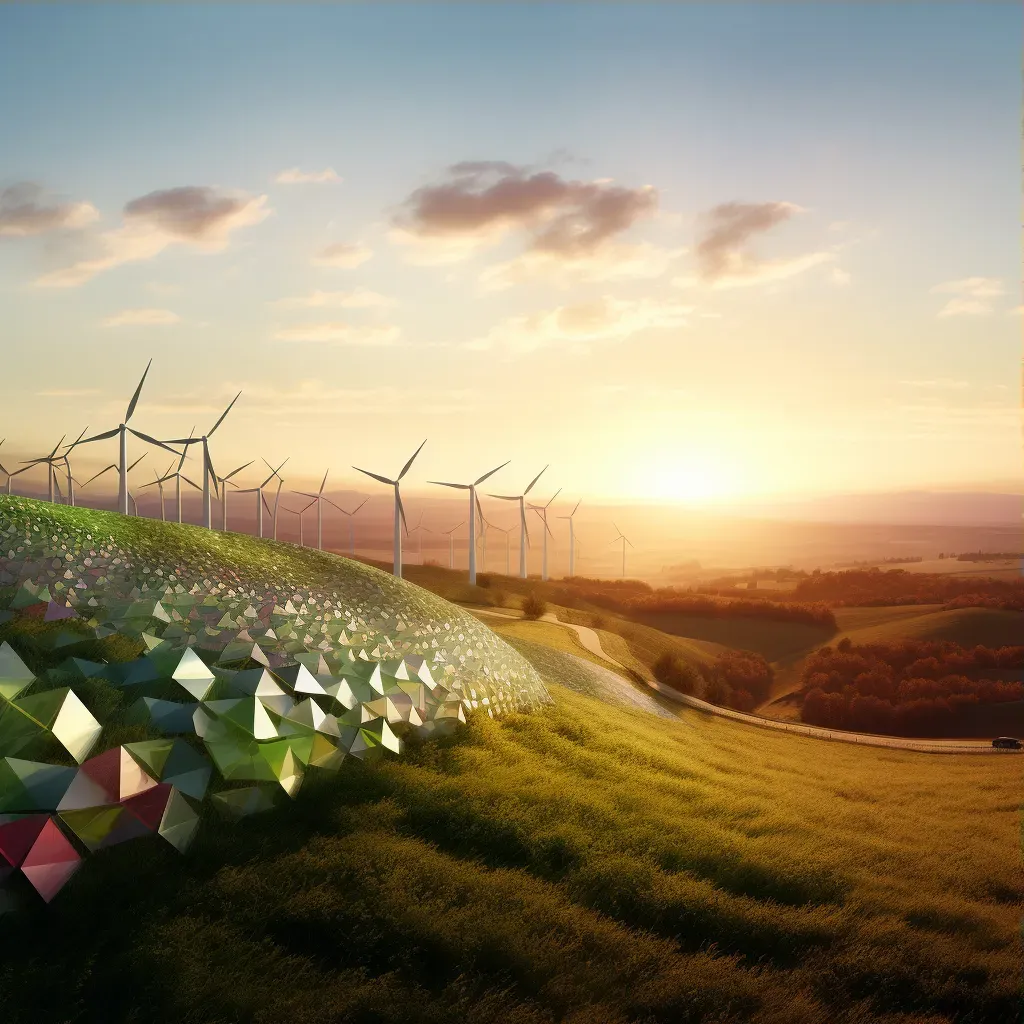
[591,864]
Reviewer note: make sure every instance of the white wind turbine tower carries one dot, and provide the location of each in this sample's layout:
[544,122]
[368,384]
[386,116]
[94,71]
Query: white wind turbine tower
[277,496]
[473,505]
[420,529]
[451,543]
[542,511]
[222,480]
[122,431]
[351,525]
[625,540]
[572,540]
[67,466]
[524,533]
[319,499]
[158,482]
[399,510]
[209,474]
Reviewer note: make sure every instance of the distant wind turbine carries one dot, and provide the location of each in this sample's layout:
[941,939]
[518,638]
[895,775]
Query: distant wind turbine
[351,526]
[113,465]
[319,499]
[625,540]
[451,543]
[121,432]
[572,540]
[67,466]
[209,474]
[507,531]
[222,480]
[299,513]
[524,533]
[50,462]
[542,511]
[399,510]
[473,508]
[420,529]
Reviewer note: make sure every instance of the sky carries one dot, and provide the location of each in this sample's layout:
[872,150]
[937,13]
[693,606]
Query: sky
[680,253]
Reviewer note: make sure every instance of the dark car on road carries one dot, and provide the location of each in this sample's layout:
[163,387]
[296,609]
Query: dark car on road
[1006,742]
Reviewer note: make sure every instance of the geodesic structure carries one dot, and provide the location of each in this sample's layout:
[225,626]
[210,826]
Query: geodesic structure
[240,686]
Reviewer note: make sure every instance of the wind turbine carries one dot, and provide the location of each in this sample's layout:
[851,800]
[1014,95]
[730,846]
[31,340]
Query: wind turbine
[67,465]
[399,510]
[351,526]
[319,499]
[474,505]
[420,529]
[50,460]
[122,431]
[158,482]
[277,496]
[222,480]
[451,543]
[572,540]
[625,540]
[524,534]
[209,474]
[507,531]
[114,465]
[299,513]
[542,511]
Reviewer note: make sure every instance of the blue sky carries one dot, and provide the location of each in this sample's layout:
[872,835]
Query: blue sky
[892,131]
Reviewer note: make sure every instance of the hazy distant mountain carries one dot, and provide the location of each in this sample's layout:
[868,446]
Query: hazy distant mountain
[931,508]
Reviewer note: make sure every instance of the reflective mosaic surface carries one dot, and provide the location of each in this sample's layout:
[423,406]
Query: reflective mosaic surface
[240,687]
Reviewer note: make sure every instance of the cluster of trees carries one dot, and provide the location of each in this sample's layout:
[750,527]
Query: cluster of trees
[985,556]
[906,688]
[859,587]
[737,679]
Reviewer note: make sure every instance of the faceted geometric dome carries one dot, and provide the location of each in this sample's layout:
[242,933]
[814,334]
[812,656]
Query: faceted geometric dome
[257,663]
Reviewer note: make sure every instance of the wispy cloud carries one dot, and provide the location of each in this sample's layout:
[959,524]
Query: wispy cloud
[295,176]
[191,215]
[344,255]
[944,382]
[339,334]
[604,320]
[24,212]
[973,295]
[141,318]
[724,259]
[839,276]
[357,298]
[479,203]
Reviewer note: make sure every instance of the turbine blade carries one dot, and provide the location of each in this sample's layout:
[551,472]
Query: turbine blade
[492,472]
[401,509]
[553,496]
[573,512]
[535,479]
[306,494]
[338,507]
[136,462]
[376,476]
[191,483]
[138,391]
[55,447]
[99,474]
[239,470]
[405,468]
[103,436]
[505,497]
[209,469]
[265,505]
[323,483]
[461,487]
[152,440]
[223,414]
[359,506]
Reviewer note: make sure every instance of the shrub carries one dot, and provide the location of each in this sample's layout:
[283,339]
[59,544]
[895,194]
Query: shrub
[671,670]
[534,607]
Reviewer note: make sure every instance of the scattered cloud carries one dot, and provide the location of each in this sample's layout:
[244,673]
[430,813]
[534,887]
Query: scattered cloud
[343,255]
[610,262]
[192,215]
[972,295]
[839,276]
[480,203]
[24,212]
[604,320]
[340,334]
[723,258]
[294,176]
[357,298]
[141,318]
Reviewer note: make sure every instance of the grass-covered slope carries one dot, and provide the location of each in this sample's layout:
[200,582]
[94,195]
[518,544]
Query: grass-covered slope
[590,864]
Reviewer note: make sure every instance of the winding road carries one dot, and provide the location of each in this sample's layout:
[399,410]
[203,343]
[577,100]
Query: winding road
[592,642]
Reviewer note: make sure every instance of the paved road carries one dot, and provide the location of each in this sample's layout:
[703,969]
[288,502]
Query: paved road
[592,642]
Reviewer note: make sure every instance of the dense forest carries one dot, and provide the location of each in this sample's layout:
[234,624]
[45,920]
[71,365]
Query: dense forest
[906,688]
